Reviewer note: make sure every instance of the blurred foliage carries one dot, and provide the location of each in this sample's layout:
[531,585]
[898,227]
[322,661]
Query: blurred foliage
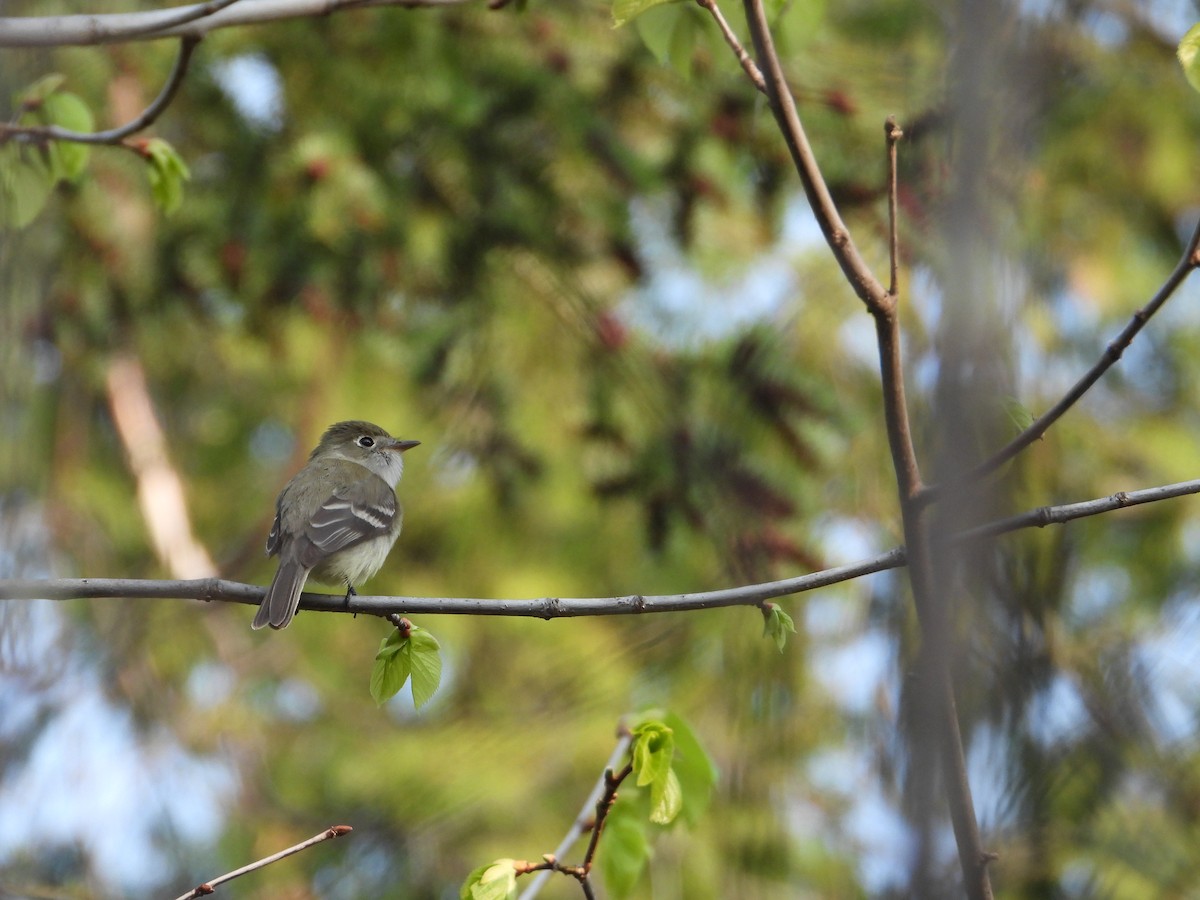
[585,280]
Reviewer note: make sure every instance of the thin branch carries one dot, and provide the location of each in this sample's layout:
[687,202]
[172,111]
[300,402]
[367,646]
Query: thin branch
[1189,261]
[748,66]
[1056,515]
[209,887]
[216,589]
[112,28]
[893,134]
[600,810]
[187,45]
[837,235]
[603,806]
[221,590]
[887,338]
[585,819]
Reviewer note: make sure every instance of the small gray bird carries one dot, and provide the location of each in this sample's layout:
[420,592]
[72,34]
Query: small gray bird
[337,518]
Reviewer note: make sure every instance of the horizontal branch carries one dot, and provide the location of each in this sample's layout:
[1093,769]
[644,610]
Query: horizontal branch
[218,589]
[1057,515]
[209,589]
[196,20]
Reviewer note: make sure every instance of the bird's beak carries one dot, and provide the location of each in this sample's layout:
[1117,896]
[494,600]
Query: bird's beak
[401,446]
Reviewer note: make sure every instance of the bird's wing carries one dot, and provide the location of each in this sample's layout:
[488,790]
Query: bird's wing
[275,538]
[362,510]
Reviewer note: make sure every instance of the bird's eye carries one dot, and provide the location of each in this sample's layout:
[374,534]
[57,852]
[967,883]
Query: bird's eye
[366,441]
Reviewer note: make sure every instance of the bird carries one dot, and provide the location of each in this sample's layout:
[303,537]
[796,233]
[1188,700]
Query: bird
[337,518]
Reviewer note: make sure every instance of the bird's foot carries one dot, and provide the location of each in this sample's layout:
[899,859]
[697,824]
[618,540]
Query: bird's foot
[350,592]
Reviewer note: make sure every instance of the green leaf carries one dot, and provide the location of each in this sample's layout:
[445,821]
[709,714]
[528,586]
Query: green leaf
[624,11]
[656,29]
[687,34]
[653,751]
[418,655]
[391,669]
[67,158]
[674,34]
[37,92]
[695,769]
[167,172]
[666,799]
[653,756]
[46,105]
[495,881]
[426,665]
[25,184]
[623,850]
[777,625]
[1189,49]
[796,25]
[68,111]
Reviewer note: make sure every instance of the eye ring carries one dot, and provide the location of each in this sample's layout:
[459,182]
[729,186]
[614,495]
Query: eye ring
[366,441]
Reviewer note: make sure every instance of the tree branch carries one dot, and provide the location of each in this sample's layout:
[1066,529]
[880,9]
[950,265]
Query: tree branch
[837,235]
[209,887]
[748,66]
[187,45]
[586,817]
[612,781]
[210,589]
[190,21]
[1189,261]
[1057,515]
[928,593]
[221,590]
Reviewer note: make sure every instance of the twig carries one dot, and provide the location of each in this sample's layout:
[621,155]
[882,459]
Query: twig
[603,807]
[783,106]
[221,590]
[209,887]
[1189,261]
[582,872]
[1056,515]
[187,45]
[112,28]
[584,819]
[747,64]
[893,133]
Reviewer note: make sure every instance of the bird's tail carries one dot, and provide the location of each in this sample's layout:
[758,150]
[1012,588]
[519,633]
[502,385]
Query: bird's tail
[282,597]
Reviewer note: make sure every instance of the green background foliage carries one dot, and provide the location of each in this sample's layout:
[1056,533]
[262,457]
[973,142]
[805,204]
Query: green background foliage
[585,279]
